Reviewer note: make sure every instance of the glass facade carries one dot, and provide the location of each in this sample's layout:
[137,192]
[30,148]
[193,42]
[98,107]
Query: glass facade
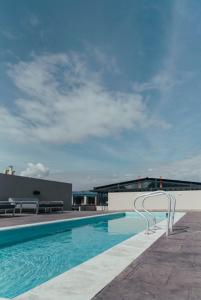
[144,184]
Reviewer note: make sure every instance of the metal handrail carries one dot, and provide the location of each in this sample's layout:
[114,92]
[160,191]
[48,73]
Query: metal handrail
[142,215]
[173,198]
[158,193]
[147,211]
[171,210]
[174,208]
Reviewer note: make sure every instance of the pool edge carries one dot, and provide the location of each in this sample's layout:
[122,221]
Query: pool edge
[56,221]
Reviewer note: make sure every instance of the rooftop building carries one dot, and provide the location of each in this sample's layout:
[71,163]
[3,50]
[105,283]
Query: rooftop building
[145,184]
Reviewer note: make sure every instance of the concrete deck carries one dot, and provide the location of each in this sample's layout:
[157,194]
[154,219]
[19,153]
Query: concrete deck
[22,219]
[170,269]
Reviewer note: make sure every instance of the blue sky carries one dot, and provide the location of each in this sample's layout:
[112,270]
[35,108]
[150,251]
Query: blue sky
[99,91]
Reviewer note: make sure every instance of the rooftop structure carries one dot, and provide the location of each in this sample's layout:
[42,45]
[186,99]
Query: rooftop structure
[84,198]
[144,185]
[13,186]
[149,184]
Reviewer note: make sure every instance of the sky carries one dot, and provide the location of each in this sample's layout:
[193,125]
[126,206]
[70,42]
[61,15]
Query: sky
[94,92]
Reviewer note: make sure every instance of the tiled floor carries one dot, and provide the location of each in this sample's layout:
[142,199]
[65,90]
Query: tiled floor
[169,270]
[9,220]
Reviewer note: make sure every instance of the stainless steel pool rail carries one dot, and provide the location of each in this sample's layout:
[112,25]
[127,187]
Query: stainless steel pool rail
[171,199]
[170,210]
[148,222]
[174,200]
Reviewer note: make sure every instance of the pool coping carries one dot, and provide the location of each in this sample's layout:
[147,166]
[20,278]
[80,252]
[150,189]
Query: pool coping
[57,221]
[85,280]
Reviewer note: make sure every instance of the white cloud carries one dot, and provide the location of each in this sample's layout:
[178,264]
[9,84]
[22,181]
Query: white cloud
[185,169]
[64,101]
[11,35]
[105,61]
[163,81]
[35,170]
[34,20]
[85,180]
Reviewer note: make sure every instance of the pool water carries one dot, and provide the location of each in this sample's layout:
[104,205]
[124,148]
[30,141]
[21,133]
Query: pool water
[32,255]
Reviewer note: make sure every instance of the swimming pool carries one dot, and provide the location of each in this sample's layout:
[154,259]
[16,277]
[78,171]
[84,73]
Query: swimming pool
[32,255]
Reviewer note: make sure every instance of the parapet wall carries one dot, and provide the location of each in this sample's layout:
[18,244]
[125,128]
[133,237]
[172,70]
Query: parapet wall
[186,200]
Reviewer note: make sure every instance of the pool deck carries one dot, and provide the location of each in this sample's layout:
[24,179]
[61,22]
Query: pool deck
[22,219]
[170,269]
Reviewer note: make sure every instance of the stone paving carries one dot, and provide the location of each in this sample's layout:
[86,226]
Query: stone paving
[169,270]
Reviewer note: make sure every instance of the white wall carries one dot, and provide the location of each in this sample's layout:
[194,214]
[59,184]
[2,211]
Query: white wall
[186,200]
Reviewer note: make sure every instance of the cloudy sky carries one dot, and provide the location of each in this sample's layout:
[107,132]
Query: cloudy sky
[93,92]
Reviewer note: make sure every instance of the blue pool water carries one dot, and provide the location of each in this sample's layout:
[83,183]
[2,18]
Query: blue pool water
[30,256]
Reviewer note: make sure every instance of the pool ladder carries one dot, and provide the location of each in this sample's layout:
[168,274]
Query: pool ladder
[143,212]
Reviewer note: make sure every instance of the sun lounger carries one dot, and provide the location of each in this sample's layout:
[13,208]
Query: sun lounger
[34,203]
[7,206]
[51,205]
[25,203]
